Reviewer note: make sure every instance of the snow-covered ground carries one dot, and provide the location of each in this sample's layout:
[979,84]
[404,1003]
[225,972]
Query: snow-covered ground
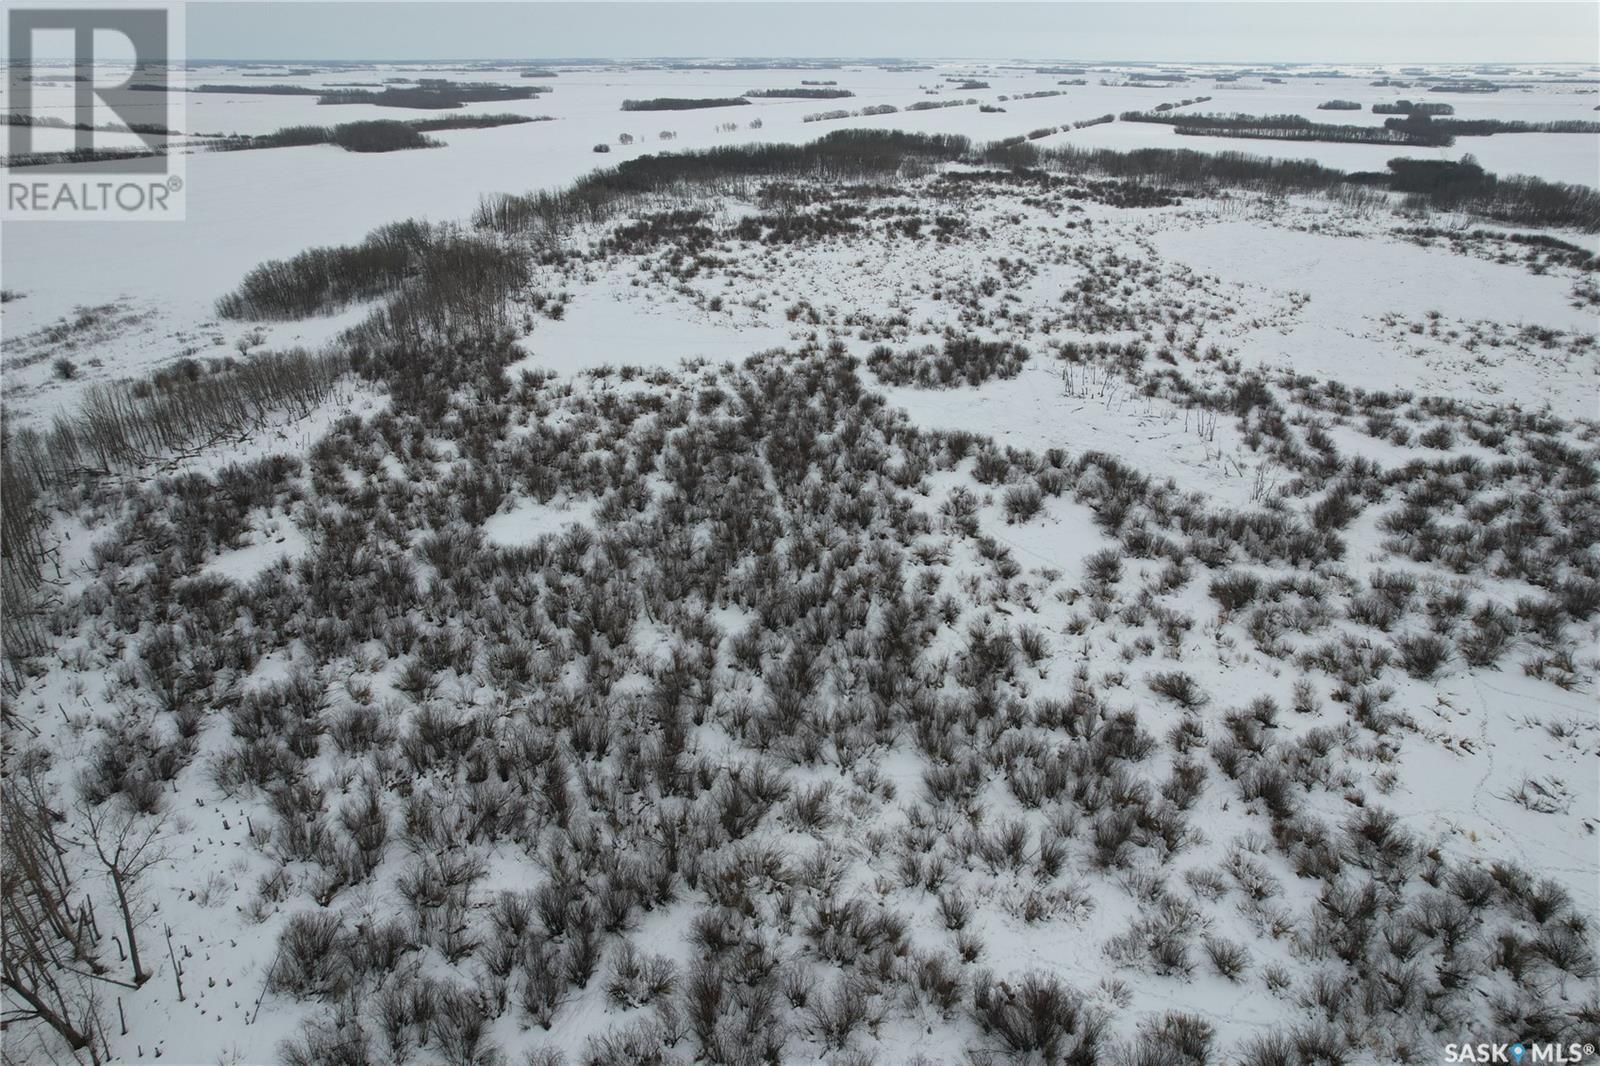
[247,207]
[993,625]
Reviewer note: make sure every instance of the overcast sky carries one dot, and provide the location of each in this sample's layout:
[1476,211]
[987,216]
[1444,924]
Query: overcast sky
[1225,32]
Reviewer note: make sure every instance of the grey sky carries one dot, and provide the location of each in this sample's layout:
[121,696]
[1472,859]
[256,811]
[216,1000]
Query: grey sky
[1224,32]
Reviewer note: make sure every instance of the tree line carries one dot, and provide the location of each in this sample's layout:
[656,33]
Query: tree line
[1427,184]
[869,110]
[799,94]
[1293,127]
[373,135]
[13,118]
[680,103]
[1419,121]
[1411,107]
[427,93]
[434,94]
[843,154]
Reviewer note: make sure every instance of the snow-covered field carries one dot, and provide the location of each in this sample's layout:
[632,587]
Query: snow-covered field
[944,616]
[244,208]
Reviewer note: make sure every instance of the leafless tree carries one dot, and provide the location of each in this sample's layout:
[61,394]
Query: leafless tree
[127,845]
[45,941]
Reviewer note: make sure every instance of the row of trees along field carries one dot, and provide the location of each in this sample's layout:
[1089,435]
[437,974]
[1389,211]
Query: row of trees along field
[1292,128]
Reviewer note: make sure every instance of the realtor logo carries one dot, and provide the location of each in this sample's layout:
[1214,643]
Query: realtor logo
[1518,1054]
[92,128]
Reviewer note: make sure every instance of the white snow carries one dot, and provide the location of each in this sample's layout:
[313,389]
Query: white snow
[525,521]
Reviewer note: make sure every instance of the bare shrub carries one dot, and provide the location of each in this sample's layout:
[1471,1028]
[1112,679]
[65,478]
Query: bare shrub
[1178,687]
[1235,590]
[1037,1014]
[1422,654]
[314,957]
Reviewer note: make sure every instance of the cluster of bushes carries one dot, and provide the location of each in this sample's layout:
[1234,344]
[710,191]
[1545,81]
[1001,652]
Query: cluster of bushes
[1341,105]
[685,231]
[1552,250]
[624,821]
[789,227]
[959,361]
[1092,790]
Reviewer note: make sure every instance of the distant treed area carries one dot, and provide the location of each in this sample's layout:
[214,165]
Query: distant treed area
[677,103]
[427,93]
[799,94]
[376,135]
